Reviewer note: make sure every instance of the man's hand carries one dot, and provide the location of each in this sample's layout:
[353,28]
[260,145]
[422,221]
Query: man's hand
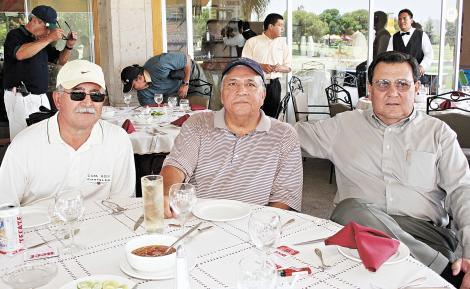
[183,91]
[464,266]
[55,35]
[267,67]
[421,70]
[71,39]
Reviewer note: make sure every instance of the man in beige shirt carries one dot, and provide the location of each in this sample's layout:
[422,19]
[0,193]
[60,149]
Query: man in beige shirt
[271,52]
[398,169]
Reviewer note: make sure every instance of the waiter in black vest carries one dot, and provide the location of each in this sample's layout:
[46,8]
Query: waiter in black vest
[412,41]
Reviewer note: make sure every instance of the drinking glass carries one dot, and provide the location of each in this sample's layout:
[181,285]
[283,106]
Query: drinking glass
[182,200]
[172,101]
[69,208]
[265,229]
[127,99]
[184,105]
[158,97]
[255,271]
[152,193]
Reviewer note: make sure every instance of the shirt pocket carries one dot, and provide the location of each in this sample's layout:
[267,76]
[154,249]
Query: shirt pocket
[421,169]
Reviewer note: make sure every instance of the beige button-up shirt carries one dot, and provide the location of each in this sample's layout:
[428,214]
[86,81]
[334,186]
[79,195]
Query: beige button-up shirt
[263,49]
[413,168]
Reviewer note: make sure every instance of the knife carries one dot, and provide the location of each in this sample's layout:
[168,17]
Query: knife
[311,241]
[138,222]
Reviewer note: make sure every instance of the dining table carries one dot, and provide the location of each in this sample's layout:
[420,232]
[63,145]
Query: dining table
[213,255]
[153,134]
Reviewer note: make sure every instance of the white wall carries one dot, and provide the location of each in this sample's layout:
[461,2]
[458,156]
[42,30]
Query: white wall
[126,38]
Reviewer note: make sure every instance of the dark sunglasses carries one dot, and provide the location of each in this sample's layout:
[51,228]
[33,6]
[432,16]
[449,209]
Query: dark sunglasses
[70,29]
[80,95]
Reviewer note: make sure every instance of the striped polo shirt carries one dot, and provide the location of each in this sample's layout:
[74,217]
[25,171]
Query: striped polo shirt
[261,167]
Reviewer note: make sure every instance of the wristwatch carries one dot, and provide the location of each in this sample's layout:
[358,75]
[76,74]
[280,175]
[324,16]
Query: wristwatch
[185,83]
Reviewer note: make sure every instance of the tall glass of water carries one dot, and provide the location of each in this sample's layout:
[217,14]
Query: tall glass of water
[182,200]
[152,193]
[158,97]
[69,208]
[127,99]
[265,229]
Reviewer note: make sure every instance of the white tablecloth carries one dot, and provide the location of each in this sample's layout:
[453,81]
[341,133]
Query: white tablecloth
[144,142]
[217,252]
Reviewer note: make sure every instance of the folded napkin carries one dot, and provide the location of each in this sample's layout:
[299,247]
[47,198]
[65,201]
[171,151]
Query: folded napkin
[154,105]
[181,120]
[374,246]
[446,104]
[128,126]
[197,107]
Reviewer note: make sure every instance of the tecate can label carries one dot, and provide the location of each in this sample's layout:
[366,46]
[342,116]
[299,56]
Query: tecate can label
[11,230]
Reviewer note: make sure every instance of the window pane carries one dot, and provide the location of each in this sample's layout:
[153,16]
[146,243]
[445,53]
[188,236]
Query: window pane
[176,26]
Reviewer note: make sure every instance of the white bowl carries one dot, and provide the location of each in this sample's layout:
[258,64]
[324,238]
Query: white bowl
[150,264]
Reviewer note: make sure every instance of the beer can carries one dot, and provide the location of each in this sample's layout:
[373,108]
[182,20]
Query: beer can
[11,230]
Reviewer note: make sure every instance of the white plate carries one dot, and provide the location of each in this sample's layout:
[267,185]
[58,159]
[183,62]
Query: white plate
[160,275]
[73,284]
[221,210]
[34,217]
[399,256]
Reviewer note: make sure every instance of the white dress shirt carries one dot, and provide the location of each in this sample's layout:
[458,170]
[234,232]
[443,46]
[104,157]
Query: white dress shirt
[425,46]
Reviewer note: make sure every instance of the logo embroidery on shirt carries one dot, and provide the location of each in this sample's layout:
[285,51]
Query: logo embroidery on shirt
[98,179]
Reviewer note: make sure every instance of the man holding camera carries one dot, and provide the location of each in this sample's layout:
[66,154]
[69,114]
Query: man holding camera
[28,49]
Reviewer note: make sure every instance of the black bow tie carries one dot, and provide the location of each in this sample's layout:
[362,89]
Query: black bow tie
[405,33]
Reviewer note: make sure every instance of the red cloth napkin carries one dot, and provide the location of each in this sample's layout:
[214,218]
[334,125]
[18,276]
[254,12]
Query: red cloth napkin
[128,126]
[181,120]
[374,246]
[446,104]
[197,107]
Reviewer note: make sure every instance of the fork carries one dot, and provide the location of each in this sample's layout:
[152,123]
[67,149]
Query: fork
[116,208]
[67,236]
[320,255]
[412,283]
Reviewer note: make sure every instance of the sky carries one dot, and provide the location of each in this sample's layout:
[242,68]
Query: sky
[422,9]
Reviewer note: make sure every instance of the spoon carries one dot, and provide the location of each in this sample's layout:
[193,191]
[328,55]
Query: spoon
[181,238]
[290,221]
[320,255]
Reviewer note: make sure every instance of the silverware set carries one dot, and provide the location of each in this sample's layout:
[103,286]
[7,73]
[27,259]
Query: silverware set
[67,236]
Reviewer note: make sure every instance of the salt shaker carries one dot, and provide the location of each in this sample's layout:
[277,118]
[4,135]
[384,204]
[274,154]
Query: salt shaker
[182,273]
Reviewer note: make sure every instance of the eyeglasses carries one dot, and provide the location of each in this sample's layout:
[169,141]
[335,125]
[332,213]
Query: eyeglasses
[402,85]
[70,29]
[80,95]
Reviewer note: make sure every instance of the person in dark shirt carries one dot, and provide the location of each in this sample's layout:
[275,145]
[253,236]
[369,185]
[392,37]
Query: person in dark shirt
[28,49]
[246,30]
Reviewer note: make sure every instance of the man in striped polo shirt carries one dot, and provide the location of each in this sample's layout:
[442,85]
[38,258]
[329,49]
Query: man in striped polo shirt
[238,153]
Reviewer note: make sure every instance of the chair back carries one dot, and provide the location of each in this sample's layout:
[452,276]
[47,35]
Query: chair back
[296,91]
[453,100]
[339,99]
[361,79]
[460,123]
[199,91]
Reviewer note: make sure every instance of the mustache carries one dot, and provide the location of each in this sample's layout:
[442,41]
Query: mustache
[91,110]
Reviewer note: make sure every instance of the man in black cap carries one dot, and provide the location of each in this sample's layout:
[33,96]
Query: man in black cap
[238,152]
[28,50]
[167,73]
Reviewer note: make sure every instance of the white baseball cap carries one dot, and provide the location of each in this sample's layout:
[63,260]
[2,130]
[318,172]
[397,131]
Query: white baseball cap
[80,71]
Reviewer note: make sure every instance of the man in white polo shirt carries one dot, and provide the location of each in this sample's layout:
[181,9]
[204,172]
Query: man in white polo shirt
[72,149]
[238,152]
